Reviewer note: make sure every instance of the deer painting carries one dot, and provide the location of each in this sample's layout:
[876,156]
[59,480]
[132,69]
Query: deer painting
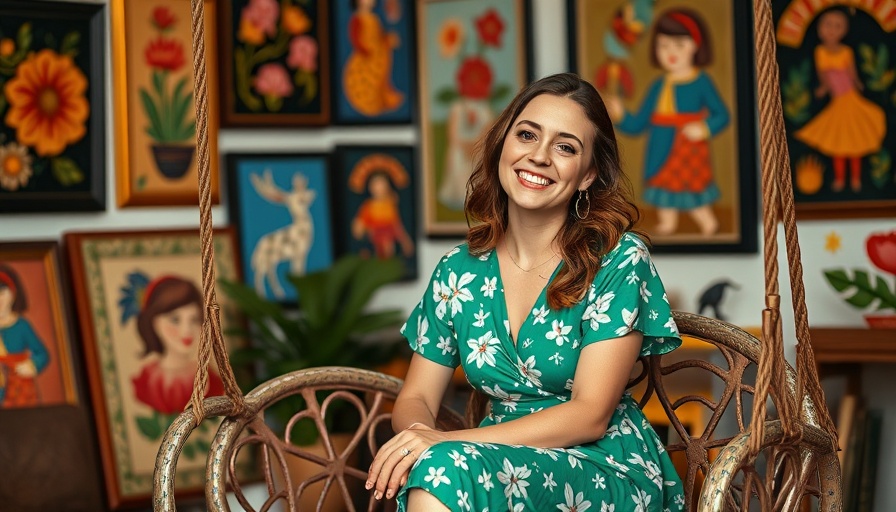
[290,243]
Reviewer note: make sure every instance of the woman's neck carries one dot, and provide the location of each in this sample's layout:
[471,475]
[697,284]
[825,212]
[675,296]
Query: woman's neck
[8,319]
[683,75]
[531,237]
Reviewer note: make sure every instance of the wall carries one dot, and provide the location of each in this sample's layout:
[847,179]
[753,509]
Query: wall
[684,275]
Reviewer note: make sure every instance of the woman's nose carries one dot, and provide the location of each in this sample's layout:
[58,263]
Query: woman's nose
[540,154]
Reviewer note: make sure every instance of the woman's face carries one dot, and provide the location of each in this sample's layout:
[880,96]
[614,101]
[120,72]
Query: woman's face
[547,155]
[675,53]
[379,186]
[179,330]
[7,297]
[832,27]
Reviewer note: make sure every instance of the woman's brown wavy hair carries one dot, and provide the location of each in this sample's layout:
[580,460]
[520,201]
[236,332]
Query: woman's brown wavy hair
[582,242]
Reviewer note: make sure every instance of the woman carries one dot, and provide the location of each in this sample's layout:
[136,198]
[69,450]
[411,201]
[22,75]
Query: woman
[22,354]
[681,111]
[367,78]
[169,323]
[547,306]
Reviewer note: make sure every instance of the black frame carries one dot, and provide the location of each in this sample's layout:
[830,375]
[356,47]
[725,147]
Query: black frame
[94,198]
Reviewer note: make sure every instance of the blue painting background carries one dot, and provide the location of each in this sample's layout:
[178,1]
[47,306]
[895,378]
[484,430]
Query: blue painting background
[257,216]
[402,62]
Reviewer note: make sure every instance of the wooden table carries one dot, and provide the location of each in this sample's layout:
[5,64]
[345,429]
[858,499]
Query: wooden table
[842,351]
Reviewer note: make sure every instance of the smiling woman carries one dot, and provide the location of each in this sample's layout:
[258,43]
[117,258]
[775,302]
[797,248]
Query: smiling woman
[549,348]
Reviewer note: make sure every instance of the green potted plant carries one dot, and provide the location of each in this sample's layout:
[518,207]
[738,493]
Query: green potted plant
[332,325]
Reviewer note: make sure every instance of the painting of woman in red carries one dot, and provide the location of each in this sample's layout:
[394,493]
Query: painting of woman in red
[22,353]
[169,322]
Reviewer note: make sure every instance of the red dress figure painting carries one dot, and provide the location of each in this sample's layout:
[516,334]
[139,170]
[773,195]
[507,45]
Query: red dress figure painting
[22,353]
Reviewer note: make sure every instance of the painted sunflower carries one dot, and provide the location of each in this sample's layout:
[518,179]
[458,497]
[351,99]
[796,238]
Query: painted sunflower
[15,166]
[47,104]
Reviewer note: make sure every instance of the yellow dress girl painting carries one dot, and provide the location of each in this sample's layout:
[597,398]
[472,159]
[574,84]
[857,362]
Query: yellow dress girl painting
[367,76]
[850,126]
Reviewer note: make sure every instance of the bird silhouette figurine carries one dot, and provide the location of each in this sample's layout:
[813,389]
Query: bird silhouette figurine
[712,297]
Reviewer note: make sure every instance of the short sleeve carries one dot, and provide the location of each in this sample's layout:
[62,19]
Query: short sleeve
[627,295]
[429,335]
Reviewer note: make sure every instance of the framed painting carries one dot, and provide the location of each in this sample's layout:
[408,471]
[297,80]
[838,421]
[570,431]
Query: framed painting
[155,113]
[374,68]
[280,204]
[677,80]
[838,92]
[141,311]
[474,55]
[52,134]
[41,388]
[275,61]
[375,212]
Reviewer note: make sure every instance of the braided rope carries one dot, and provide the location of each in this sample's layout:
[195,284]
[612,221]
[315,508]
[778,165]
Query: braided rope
[777,195]
[211,339]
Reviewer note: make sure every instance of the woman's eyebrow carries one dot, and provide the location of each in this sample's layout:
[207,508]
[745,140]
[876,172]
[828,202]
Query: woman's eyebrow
[561,134]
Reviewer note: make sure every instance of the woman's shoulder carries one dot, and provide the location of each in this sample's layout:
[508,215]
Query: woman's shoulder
[628,242]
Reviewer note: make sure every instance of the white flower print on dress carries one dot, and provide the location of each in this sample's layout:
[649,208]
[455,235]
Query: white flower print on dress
[645,293]
[437,477]
[653,314]
[651,470]
[576,503]
[485,256]
[550,452]
[632,278]
[471,451]
[556,358]
[483,350]
[423,456]
[671,325]
[422,327]
[460,461]
[539,315]
[596,312]
[607,507]
[629,318]
[451,253]
[527,368]
[446,346]
[599,481]
[514,480]
[463,499]
[621,467]
[480,317]
[549,482]
[568,385]
[642,501]
[488,289]
[508,400]
[486,480]
[558,332]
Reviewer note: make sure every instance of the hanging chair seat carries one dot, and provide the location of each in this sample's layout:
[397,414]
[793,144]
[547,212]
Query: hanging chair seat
[721,473]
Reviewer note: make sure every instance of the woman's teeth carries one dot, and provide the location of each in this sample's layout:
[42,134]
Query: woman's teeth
[534,178]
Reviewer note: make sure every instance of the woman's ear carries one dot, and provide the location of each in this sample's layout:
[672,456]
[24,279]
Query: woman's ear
[589,178]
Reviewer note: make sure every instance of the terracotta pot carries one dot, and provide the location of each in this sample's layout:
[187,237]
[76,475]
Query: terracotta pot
[301,469]
[881,321]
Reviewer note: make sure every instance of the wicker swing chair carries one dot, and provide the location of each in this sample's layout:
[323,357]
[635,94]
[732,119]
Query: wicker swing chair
[772,464]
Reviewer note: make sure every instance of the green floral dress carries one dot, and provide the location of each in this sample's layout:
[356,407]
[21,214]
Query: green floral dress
[462,319]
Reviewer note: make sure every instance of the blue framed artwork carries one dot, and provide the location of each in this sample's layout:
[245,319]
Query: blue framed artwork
[375,194]
[280,204]
[373,68]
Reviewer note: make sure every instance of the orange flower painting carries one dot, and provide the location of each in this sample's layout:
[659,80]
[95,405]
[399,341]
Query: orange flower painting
[50,143]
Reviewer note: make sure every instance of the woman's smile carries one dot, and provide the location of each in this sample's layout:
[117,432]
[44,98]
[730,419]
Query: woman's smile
[532,180]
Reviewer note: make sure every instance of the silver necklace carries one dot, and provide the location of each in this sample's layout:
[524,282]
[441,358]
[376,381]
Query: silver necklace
[532,268]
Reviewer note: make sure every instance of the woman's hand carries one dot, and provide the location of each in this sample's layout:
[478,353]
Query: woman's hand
[26,369]
[695,131]
[390,468]
[614,108]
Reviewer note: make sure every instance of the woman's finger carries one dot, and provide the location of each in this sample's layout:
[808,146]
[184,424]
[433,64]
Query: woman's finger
[390,472]
[400,473]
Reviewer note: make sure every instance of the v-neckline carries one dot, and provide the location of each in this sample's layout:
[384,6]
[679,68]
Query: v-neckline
[514,340]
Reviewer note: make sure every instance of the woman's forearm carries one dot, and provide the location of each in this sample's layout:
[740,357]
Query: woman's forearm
[563,425]
[410,410]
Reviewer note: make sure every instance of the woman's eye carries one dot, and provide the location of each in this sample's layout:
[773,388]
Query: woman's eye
[566,148]
[526,135]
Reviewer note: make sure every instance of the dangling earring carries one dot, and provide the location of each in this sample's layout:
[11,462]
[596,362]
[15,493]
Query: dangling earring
[578,213]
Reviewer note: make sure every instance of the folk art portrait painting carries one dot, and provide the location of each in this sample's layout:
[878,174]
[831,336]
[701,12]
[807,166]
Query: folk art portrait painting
[281,207]
[838,91]
[676,76]
[375,203]
[141,308]
[275,63]
[473,57]
[374,74]
[52,116]
[36,368]
[155,114]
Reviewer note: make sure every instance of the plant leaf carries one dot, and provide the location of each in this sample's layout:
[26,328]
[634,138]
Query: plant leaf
[23,38]
[152,113]
[70,44]
[66,171]
[447,95]
[856,290]
[149,427]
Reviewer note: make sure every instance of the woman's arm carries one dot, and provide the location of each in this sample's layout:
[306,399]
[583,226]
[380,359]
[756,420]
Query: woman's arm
[421,395]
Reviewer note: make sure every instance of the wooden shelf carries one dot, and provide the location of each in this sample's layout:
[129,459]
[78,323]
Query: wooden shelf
[853,345]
